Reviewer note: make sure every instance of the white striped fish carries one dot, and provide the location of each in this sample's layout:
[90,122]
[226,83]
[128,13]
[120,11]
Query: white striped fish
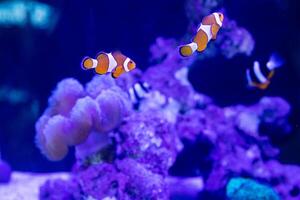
[138,92]
[259,76]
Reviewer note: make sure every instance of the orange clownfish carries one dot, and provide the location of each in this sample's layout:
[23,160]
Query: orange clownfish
[115,63]
[207,30]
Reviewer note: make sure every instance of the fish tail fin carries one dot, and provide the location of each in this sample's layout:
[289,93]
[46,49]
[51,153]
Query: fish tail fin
[89,63]
[188,50]
[275,61]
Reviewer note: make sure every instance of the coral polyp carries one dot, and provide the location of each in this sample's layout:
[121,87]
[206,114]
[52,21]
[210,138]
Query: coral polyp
[73,114]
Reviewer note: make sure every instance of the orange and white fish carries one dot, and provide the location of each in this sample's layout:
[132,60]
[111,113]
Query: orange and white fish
[259,76]
[115,63]
[207,31]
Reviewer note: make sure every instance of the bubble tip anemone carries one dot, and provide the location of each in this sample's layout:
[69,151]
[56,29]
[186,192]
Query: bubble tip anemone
[74,113]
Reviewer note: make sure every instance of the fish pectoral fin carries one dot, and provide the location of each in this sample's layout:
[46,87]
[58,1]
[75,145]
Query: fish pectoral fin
[214,31]
[117,71]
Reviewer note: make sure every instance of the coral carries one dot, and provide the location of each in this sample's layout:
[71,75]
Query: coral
[197,9]
[143,184]
[59,189]
[127,179]
[102,180]
[128,156]
[74,113]
[161,76]
[247,189]
[149,139]
[123,152]
[284,178]
[237,148]
[235,40]
[5,172]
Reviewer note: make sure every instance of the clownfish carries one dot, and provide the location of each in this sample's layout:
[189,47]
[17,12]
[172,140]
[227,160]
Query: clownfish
[207,31]
[115,63]
[259,76]
[138,92]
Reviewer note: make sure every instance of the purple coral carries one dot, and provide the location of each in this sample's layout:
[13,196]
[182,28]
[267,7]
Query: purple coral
[59,190]
[149,139]
[233,131]
[102,180]
[127,179]
[235,40]
[144,145]
[197,9]
[71,116]
[143,184]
